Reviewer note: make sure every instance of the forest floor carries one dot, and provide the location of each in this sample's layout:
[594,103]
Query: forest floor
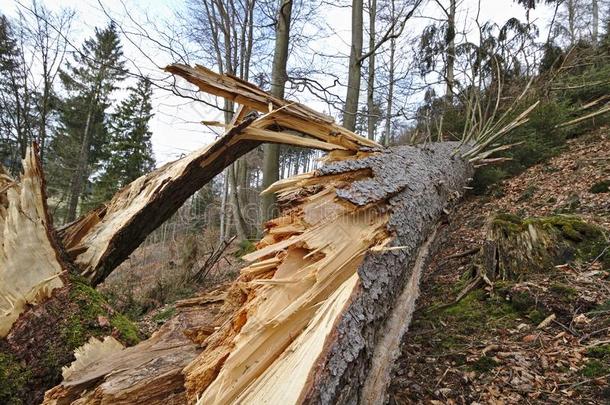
[493,345]
[500,344]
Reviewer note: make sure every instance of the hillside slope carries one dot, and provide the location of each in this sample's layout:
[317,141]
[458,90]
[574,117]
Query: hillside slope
[541,338]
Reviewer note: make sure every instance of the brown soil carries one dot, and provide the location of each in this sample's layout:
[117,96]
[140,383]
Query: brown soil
[491,347]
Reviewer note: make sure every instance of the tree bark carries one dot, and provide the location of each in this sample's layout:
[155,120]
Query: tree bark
[450,76]
[595,21]
[350,110]
[271,152]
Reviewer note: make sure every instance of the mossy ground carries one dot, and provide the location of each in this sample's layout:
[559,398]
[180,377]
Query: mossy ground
[32,364]
[488,348]
[14,380]
[559,239]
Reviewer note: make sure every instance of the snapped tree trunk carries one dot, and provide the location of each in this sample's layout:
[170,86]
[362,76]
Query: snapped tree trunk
[318,313]
[47,308]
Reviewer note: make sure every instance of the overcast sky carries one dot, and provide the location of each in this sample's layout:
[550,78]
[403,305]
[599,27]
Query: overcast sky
[175,126]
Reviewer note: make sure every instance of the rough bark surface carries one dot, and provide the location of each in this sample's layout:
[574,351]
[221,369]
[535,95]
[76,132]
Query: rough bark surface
[433,180]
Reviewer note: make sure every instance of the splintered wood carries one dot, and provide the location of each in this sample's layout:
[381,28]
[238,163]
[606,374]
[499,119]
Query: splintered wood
[318,313]
[30,266]
[100,240]
[299,281]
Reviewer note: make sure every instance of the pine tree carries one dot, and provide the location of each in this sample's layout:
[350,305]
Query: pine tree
[17,102]
[8,64]
[129,147]
[80,144]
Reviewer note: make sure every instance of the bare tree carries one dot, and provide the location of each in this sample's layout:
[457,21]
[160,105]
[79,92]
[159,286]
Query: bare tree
[354,70]
[370,88]
[278,83]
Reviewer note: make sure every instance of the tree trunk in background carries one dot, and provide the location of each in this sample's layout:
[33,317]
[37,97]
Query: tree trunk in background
[595,21]
[271,152]
[570,5]
[353,81]
[388,114]
[223,206]
[370,88]
[240,226]
[80,174]
[450,76]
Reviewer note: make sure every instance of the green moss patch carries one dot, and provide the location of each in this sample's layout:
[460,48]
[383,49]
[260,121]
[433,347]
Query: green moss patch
[164,315]
[596,368]
[476,310]
[600,187]
[84,323]
[14,380]
[598,364]
[537,244]
[599,352]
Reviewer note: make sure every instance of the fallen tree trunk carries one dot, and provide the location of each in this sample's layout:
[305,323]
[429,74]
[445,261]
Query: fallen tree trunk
[317,315]
[335,275]
[36,293]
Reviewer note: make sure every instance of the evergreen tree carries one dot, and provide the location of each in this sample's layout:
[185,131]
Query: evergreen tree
[80,144]
[129,147]
[8,64]
[17,103]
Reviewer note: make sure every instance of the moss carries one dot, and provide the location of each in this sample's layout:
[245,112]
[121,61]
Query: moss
[586,241]
[509,223]
[522,301]
[526,305]
[564,292]
[126,329]
[595,368]
[14,380]
[600,187]
[484,364]
[536,316]
[599,352]
[245,247]
[475,311]
[164,315]
[84,323]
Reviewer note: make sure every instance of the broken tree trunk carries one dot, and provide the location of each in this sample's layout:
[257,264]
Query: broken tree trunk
[102,239]
[44,313]
[37,294]
[30,261]
[318,314]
